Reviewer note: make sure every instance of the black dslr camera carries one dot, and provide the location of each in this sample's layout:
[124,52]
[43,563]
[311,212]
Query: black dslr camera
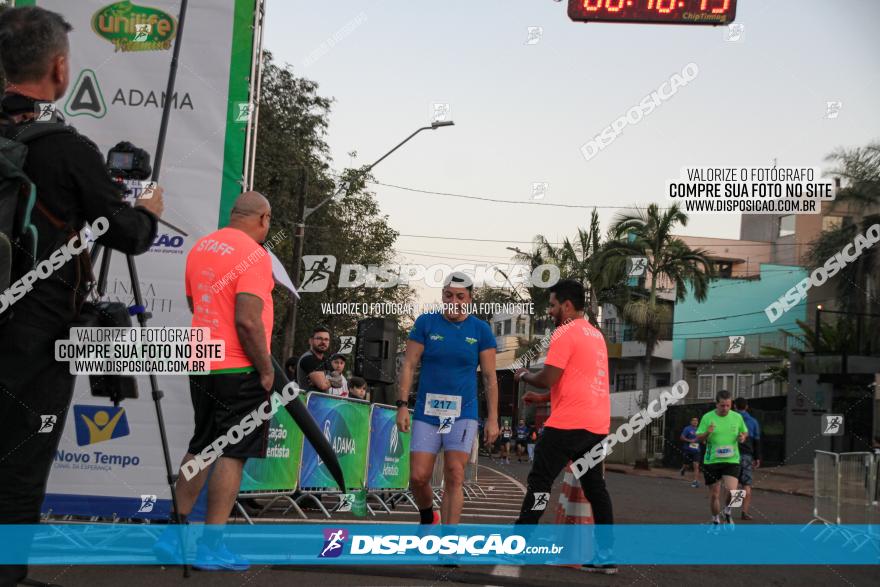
[126,161]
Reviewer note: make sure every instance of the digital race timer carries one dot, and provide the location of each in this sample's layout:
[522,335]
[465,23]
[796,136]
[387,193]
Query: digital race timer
[712,12]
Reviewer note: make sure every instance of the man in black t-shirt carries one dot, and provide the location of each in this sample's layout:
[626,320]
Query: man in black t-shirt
[73,189]
[308,370]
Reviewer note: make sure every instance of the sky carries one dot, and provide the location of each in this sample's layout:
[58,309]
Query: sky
[523,110]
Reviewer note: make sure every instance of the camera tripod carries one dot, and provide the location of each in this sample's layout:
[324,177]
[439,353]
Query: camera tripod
[138,309]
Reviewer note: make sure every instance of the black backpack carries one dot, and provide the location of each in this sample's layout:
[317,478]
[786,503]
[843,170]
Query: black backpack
[19,239]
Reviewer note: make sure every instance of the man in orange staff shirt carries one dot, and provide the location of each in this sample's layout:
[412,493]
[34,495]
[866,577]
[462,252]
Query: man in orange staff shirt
[576,373]
[229,290]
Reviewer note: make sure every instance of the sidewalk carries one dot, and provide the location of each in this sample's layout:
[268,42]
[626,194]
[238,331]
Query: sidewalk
[788,479]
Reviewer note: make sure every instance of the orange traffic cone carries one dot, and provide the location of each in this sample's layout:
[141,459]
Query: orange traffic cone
[573,507]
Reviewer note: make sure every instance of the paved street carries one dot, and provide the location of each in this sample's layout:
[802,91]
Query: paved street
[637,499]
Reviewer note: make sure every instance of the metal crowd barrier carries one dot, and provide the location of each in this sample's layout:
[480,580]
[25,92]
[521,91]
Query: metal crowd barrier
[378,499]
[470,488]
[471,485]
[846,493]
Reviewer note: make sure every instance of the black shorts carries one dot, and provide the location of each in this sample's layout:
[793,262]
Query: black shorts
[521,442]
[713,473]
[690,457]
[220,402]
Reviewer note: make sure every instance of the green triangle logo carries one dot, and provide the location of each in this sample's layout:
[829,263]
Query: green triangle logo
[86,97]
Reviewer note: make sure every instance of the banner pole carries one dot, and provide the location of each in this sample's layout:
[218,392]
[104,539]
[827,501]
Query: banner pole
[169,92]
[170,471]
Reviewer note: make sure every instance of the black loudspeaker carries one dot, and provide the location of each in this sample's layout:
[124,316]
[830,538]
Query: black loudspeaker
[375,350]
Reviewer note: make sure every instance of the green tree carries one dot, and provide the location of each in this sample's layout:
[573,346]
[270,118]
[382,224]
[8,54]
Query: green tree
[580,259]
[292,141]
[831,339]
[859,170]
[542,253]
[492,295]
[649,233]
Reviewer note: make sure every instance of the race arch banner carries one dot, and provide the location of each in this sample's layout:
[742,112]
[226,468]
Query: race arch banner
[110,458]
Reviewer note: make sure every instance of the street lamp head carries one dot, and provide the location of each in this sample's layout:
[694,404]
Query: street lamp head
[438,123]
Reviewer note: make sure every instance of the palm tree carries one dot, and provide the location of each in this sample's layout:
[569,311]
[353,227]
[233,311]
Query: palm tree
[543,253]
[649,233]
[578,259]
[859,168]
[834,337]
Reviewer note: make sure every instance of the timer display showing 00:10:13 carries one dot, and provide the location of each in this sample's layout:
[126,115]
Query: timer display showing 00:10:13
[712,12]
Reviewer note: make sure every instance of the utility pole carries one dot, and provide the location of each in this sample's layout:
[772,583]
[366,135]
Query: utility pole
[298,241]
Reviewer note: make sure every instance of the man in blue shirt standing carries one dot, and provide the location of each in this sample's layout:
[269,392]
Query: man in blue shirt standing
[450,346]
[750,454]
[690,450]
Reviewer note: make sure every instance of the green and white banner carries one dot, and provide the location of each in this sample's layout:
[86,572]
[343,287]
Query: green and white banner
[279,471]
[110,459]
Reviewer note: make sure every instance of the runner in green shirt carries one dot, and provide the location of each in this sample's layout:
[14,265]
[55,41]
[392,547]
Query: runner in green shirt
[722,429]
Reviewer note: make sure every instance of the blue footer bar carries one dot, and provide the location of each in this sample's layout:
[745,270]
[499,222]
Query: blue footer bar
[406,544]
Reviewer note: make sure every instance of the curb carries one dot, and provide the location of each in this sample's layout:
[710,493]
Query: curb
[628,470]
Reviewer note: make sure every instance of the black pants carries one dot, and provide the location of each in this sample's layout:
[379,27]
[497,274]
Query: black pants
[555,448]
[32,385]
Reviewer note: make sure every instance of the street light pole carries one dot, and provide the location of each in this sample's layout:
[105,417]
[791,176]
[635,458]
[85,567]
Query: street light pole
[298,240]
[305,212]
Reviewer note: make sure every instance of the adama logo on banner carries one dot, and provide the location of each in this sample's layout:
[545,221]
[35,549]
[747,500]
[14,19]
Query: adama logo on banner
[135,28]
[85,97]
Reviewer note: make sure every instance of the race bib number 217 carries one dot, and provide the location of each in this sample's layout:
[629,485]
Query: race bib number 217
[442,406]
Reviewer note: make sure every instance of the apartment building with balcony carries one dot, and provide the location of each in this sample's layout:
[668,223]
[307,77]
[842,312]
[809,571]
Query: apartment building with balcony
[719,341]
[626,355]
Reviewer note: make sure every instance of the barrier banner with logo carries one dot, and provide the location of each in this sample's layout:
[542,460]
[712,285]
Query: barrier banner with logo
[110,459]
[346,424]
[388,464]
[280,469]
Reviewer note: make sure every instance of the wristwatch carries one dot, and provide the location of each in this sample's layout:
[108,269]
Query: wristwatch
[400,403]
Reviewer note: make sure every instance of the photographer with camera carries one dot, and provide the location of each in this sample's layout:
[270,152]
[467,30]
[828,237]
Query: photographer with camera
[73,188]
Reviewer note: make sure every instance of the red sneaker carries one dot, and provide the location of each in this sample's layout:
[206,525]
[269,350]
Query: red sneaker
[436,519]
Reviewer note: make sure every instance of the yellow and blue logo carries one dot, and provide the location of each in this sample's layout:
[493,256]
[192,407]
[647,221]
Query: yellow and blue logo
[99,423]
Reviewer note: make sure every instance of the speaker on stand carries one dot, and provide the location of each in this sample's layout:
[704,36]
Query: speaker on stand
[375,357]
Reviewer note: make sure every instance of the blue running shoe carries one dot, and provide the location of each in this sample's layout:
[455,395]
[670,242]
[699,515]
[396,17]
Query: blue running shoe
[219,559]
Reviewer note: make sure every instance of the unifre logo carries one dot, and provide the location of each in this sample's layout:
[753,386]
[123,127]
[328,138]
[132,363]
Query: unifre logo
[135,28]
